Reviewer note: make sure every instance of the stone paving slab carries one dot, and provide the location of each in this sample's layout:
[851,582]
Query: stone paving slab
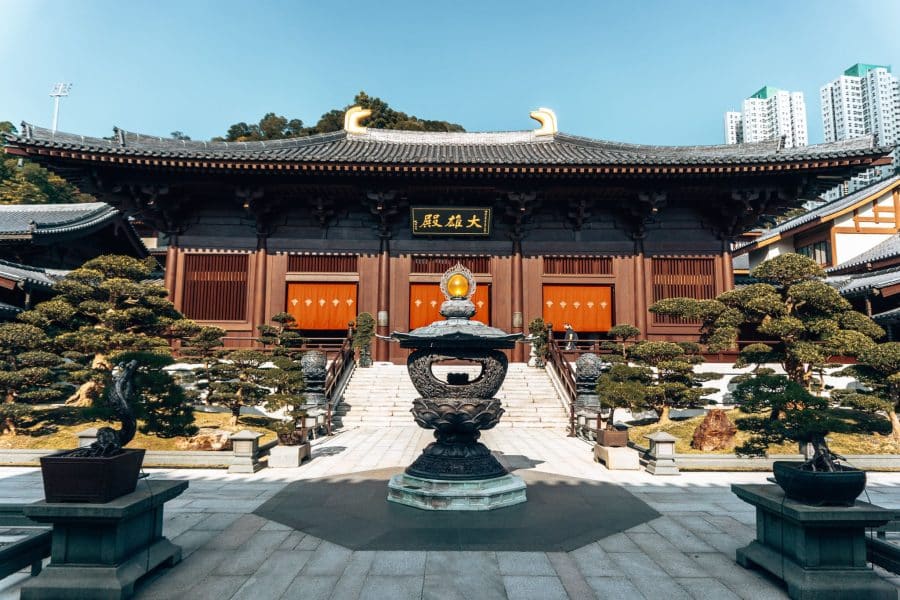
[686,552]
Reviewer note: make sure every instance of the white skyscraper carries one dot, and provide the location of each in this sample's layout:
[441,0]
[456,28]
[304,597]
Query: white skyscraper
[734,132]
[769,114]
[864,100]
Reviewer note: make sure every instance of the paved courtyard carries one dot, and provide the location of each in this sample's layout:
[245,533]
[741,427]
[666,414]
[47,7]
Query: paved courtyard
[230,552]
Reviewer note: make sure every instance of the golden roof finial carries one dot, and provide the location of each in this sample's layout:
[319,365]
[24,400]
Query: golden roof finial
[547,119]
[353,116]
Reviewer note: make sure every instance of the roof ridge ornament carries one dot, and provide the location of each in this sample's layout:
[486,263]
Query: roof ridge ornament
[353,116]
[547,119]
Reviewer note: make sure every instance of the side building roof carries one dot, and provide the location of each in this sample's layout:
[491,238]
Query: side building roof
[886,250]
[47,223]
[820,214]
[30,277]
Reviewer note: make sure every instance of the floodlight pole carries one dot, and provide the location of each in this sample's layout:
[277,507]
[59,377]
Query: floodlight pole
[59,90]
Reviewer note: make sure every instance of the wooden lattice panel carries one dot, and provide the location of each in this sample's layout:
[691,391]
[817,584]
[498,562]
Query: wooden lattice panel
[215,287]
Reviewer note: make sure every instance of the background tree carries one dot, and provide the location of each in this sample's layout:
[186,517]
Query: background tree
[238,380]
[285,379]
[30,183]
[623,386]
[363,334]
[879,370]
[107,311]
[201,345]
[180,135]
[621,334]
[28,373]
[539,338]
[673,382]
[807,319]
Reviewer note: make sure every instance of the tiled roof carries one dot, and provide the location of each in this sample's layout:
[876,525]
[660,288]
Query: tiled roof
[851,285]
[822,211]
[888,316]
[413,147]
[33,276]
[26,220]
[889,248]
[8,310]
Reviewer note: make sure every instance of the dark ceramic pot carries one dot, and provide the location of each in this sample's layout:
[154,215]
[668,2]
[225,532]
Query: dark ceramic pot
[612,438]
[819,488]
[91,479]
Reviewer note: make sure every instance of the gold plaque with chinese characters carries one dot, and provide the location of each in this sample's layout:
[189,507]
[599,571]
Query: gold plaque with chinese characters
[451,221]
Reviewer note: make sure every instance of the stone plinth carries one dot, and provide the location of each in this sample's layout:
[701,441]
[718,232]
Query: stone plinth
[245,446]
[617,458]
[440,494]
[100,550]
[282,457]
[661,456]
[819,551]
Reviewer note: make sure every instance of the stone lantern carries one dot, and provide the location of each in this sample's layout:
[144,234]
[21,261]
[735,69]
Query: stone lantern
[662,454]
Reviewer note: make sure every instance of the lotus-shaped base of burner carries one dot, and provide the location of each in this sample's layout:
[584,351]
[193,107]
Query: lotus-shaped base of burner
[456,454]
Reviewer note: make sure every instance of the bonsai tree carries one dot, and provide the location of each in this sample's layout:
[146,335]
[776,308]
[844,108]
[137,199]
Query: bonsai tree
[238,380]
[540,340]
[285,378]
[363,335]
[621,334]
[202,346]
[28,373]
[106,309]
[673,383]
[879,370]
[782,410]
[807,320]
[623,386]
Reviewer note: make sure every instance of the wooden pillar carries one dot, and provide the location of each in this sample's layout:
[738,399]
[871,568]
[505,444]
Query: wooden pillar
[640,290]
[259,287]
[517,301]
[171,266]
[383,316]
[728,270]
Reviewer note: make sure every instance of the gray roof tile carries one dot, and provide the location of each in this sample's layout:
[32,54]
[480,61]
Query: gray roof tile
[851,285]
[34,276]
[413,147]
[29,219]
[889,248]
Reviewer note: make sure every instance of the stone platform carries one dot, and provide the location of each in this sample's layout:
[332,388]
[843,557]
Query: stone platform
[617,458]
[99,551]
[819,551]
[439,494]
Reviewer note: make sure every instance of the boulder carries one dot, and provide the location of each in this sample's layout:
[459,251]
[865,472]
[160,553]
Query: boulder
[207,438]
[716,432]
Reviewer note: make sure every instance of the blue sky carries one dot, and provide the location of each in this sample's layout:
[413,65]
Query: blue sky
[660,72]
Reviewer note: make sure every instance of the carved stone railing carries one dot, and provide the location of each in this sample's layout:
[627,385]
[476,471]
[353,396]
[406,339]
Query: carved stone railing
[566,375]
[343,361]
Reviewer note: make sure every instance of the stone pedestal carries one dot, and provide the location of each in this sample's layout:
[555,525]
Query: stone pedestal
[440,494]
[661,459]
[617,458]
[245,445]
[100,550]
[283,457]
[819,551]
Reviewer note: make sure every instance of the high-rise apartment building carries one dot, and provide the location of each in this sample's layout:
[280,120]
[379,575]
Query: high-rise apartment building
[864,100]
[769,114]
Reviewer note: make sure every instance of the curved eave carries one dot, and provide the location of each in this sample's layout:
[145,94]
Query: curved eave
[860,162]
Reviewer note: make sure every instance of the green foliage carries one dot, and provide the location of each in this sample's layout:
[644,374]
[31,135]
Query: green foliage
[106,312]
[621,333]
[782,410]
[28,372]
[807,320]
[879,370]
[277,127]
[285,378]
[238,380]
[201,346]
[624,386]
[672,381]
[7,127]
[364,331]
[540,339]
[31,183]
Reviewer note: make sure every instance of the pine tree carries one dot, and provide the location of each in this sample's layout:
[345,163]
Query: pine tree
[879,370]
[238,380]
[108,311]
[285,378]
[28,373]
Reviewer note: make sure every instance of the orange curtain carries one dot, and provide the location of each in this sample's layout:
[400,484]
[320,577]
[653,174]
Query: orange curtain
[425,304]
[322,305]
[586,308]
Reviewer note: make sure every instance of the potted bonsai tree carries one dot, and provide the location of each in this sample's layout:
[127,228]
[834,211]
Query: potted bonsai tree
[621,386]
[362,338]
[540,341]
[106,469]
[780,410]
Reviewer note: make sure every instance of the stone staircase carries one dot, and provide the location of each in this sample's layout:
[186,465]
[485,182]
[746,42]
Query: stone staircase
[382,395]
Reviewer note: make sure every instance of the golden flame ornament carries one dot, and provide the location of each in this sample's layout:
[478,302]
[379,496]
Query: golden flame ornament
[457,283]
